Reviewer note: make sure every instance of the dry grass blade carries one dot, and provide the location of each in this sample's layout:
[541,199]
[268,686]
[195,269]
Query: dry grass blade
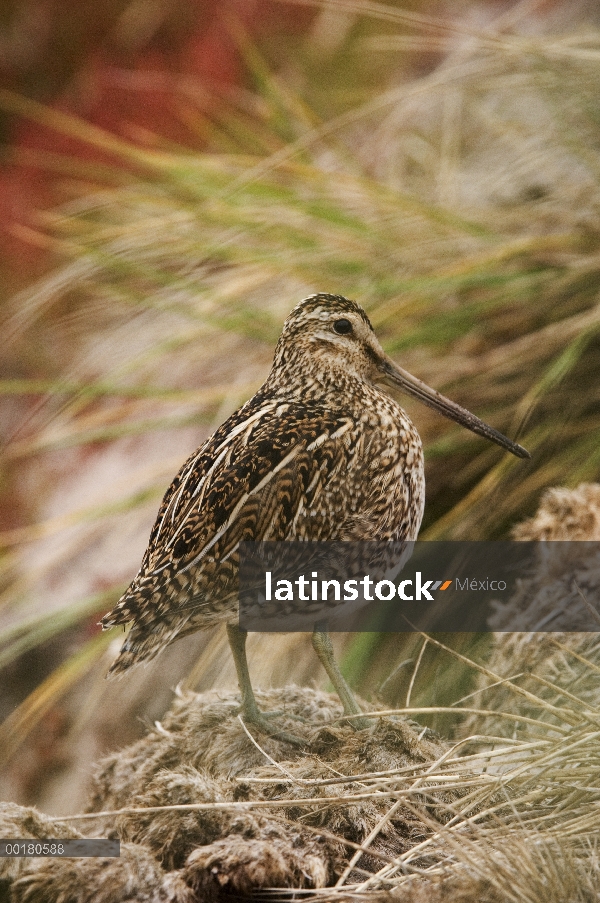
[19,724]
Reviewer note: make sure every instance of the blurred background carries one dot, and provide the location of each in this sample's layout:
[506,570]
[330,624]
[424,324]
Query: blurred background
[174,177]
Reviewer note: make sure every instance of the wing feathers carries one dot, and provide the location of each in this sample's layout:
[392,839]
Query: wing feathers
[257,478]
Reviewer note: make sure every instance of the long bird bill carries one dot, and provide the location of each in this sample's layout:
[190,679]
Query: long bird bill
[398,378]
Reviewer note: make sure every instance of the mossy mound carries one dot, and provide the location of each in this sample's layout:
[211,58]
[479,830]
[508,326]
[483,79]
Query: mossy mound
[201,753]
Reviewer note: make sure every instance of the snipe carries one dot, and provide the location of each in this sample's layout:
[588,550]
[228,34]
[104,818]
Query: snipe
[319,453]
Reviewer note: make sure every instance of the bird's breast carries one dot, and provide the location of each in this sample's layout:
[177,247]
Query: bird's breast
[384,477]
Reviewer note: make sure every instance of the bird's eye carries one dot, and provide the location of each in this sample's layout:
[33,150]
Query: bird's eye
[342,327]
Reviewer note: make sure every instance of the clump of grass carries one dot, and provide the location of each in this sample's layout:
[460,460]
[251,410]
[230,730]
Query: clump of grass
[460,207]
[355,813]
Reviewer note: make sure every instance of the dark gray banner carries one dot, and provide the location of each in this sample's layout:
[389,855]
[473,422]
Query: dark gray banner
[69,849]
[429,586]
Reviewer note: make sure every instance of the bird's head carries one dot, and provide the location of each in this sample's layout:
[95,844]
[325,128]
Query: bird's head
[328,335]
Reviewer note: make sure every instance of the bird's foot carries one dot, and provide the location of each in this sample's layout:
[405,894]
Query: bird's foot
[358,722]
[282,712]
[251,715]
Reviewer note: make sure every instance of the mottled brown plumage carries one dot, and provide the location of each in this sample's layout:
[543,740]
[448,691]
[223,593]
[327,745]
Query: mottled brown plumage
[319,453]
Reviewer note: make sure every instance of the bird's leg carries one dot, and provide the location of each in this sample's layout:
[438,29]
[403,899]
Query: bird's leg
[237,641]
[323,647]
[250,710]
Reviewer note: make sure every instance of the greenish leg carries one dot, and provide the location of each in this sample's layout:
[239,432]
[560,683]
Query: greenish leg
[323,647]
[250,710]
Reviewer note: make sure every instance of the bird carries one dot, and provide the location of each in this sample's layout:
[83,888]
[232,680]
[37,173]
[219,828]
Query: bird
[321,452]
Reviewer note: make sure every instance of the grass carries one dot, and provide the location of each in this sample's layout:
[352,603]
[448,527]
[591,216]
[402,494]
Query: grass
[500,819]
[460,207]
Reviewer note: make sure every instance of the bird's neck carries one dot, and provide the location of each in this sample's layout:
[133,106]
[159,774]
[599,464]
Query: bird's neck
[331,389]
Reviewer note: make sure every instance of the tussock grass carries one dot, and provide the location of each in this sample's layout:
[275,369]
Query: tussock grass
[354,813]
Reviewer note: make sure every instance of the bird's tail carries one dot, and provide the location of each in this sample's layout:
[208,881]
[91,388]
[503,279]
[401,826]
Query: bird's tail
[142,644]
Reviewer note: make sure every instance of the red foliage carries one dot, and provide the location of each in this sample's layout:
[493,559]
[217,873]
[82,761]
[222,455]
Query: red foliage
[124,65]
